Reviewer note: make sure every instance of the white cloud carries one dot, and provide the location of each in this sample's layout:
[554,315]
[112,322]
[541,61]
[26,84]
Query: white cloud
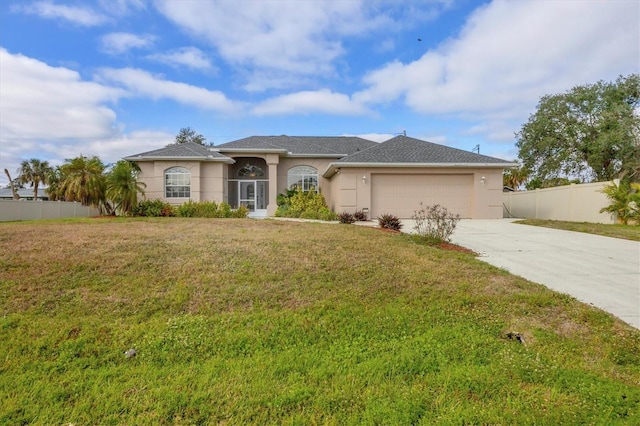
[50,113]
[114,149]
[306,102]
[122,7]
[78,15]
[494,130]
[376,137]
[43,101]
[142,83]
[287,40]
[118,43]
[509,54]
[190,57]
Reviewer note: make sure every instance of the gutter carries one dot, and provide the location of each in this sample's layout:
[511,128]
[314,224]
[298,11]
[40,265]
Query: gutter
[283,152]
[252,150]
[207,158]
[334,167]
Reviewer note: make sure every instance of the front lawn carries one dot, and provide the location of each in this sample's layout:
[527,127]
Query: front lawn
[627,232]
[239,321]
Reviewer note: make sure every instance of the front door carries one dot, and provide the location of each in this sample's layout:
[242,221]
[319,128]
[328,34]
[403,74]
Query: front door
[253,195]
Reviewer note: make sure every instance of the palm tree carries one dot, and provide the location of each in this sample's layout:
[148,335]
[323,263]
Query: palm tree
[123,186]
[83,180]
[624,198]
[514,178]
[54,180]
[34,172]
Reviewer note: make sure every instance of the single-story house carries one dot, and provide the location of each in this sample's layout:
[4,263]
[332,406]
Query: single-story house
[352,173]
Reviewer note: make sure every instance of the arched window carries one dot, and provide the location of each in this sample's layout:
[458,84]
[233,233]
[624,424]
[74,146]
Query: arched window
[251,171]
[177,183]
[304,178]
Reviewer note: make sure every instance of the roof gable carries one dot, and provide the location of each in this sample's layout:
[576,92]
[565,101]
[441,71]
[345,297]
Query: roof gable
[188,150]
[403,149]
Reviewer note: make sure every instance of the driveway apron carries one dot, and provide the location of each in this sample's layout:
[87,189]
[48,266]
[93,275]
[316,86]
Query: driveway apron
[601,271]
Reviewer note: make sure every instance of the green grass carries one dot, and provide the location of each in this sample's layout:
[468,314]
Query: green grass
[270,322]
[627,232]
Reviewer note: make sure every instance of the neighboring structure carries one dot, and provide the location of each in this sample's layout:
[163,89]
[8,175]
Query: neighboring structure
[24,193]
[352,173]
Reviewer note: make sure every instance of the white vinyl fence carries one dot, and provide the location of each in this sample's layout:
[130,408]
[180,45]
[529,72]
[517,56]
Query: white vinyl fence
[34,210]
[573,203]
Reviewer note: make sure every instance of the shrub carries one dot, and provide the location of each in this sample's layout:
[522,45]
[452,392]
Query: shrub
[224,210]
[389,221]
[188,209]
[210,209]
[360,215]
[305,205]
[326,214]
[240,213]
[153,208]
[625,201]
[435,222]
[346,217]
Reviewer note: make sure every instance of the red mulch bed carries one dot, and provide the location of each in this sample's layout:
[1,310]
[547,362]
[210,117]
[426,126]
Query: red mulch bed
[454,247]
[443,245]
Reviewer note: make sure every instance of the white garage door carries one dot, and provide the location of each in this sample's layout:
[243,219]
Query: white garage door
[401,195]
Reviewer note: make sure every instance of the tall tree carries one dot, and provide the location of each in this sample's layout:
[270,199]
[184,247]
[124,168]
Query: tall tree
[123,186]
[187,134]
[83,180]
[54,180]
[590,133]
[34,172]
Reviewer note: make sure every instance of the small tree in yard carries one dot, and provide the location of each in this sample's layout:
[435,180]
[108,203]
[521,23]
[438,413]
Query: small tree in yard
[435,223]
[625,201]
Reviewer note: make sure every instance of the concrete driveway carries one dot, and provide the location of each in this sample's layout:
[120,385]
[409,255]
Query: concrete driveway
[601,271]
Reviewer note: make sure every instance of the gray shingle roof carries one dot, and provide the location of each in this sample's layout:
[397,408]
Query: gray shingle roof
[183,150]
[302,145]
[399,150]
[403,149]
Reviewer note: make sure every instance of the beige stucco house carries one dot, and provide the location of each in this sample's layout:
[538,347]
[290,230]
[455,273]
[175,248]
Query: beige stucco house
[352,173]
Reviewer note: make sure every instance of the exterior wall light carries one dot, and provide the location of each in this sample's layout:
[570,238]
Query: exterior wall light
[364,179]
[483,180]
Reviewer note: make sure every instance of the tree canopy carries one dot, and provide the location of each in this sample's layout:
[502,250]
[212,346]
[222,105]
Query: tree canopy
[123,186]
[187,134]
[590,133]
[83,180]
[34,172]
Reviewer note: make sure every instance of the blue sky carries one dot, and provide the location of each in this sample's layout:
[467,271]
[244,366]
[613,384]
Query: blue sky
[118,77]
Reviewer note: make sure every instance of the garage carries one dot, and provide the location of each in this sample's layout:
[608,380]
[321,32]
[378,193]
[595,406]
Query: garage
[401,194]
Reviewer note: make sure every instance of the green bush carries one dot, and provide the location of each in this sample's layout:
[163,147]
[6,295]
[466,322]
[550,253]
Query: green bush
[240,213]
[625,201]
[389,221]
[304,205]
[435,223]
[210,209]
[188,209]
[153,208]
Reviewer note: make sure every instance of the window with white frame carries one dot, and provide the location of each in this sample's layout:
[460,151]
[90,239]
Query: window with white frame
[177,183]
[303,178]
